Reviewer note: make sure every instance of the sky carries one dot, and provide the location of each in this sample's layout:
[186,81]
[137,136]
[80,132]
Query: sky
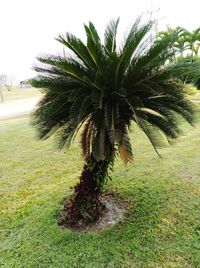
[29,27]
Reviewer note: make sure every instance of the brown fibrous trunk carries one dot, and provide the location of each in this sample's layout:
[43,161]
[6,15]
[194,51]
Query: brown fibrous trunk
[85,207]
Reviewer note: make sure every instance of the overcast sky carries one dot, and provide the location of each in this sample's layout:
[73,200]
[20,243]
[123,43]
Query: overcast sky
[28,27]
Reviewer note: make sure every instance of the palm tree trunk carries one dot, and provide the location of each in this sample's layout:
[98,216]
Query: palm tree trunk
[192,48]
[86,204]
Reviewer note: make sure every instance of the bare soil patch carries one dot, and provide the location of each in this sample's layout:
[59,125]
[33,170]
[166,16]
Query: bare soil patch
[112,212]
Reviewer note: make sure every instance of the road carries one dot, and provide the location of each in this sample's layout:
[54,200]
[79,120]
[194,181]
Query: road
[17,107]
[195,100]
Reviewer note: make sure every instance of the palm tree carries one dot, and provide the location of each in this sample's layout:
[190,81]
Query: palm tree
[193,40]
[100,90]
[181,43]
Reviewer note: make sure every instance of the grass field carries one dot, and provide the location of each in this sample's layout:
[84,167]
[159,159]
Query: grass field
[20,93]
[192,93]
[162,225]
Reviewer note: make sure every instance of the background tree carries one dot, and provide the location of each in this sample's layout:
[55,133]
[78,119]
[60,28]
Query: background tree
[186,49]
[191,77]
[180,45]
[1,94]
[7,81]
[193,40]
[100,90]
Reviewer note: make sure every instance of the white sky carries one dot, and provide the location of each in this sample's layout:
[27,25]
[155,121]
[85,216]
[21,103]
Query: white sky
[28,27]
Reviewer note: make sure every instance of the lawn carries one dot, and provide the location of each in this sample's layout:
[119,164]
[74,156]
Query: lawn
[162,223]
[192,93]
[21,93]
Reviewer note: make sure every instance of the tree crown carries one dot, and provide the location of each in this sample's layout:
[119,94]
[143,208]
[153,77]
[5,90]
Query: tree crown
[102,87]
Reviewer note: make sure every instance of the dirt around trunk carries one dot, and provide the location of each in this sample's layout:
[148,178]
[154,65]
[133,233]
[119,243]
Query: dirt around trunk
[113,211]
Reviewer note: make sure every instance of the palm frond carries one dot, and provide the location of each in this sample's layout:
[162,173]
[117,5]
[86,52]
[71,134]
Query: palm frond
[86,138]
[94,46]
[110,36]
[133,40]
[98,144]
[125,149]
[78,47]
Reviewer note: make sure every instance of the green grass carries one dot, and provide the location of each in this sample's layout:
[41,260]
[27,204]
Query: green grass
[194,97]
[20,93]
[162,226]
[192,93]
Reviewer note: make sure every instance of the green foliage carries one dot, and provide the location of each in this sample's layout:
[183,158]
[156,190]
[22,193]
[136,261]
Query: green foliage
[104,87]
[193,40]
[186,41]
[186,50]
[190,90]
[194,63]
